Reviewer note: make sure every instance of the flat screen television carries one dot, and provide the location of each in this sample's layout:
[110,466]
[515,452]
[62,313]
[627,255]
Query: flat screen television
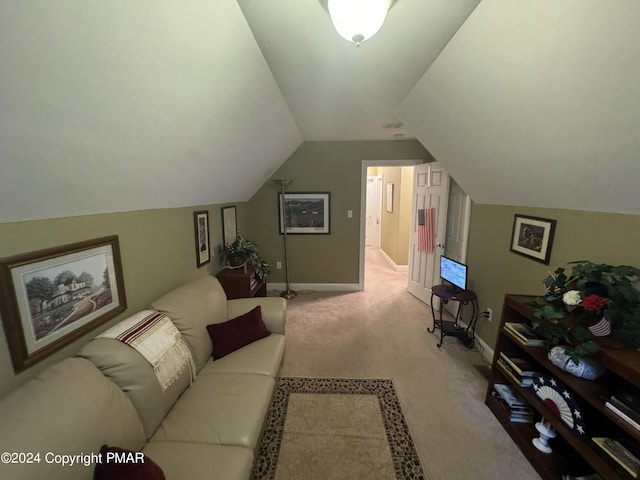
[453,272]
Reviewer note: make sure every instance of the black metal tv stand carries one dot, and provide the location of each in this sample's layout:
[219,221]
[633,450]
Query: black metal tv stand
[454,328]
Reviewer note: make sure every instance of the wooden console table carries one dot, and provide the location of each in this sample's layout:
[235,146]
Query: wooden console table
[241,283]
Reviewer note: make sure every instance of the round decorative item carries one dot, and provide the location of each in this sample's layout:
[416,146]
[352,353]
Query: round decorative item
[585,368]
[560,402]
[546,432]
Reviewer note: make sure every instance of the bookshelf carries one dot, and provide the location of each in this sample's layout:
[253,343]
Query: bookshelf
[572,454]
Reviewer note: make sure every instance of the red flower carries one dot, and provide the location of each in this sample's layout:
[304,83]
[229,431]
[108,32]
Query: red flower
[594,303]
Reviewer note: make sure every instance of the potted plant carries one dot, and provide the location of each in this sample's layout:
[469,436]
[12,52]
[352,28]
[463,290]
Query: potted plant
[241,252]
[579,305]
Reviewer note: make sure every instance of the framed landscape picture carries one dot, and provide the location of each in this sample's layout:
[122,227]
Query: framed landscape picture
[304,212]
[51,297]
[201,227]
[533,237]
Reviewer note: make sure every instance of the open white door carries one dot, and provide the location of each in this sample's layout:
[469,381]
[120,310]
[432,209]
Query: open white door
[373,211]
[430,190]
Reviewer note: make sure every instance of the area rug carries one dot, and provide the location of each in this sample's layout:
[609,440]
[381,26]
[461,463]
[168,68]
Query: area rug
[336,428]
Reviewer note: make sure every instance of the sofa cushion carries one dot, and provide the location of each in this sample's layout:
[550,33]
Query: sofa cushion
[123,464]
[198,461]
[262,357]
[70,408]
[191,308]
[229,336]
[219,409]
[274,310]
[124,366]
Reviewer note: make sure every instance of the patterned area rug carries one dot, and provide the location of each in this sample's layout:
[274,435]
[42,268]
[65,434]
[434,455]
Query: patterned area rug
[332,428]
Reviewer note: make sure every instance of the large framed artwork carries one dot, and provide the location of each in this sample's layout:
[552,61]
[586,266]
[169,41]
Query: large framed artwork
[533,237]
[304,212]
[229,224]
[51,297]
[201,227]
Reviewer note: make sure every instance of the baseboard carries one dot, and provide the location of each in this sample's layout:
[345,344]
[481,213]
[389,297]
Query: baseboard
[318,287]
[485,349]
[394,265]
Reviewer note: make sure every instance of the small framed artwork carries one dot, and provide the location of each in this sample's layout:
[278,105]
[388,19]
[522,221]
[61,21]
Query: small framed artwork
[201,225]
[390,197]
[229,224]
[533,237]
[304,212]
[49,298]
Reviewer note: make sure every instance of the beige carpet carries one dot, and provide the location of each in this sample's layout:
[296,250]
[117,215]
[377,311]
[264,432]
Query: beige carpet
[339,429]
[381,333]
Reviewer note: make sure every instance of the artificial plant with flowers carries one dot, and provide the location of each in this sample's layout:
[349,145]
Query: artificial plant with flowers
[590,293]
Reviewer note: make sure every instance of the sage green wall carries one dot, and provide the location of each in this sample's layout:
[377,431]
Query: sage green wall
[396,225]
[157,250]
[494,270]
[334,167]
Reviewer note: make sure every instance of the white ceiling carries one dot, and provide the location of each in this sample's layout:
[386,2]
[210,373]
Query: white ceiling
[126,105]
[335,90]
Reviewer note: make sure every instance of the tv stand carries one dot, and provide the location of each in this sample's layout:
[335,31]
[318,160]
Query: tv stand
[453,328]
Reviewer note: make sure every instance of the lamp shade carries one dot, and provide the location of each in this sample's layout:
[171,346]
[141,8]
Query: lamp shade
[358,20]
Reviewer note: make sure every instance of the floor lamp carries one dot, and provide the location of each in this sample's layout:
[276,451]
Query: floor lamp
[282,183]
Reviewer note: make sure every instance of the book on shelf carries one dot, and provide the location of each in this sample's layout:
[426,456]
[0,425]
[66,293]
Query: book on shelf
[618,452]
[520,365]
[516,414]
[593,476]
[523,333]
[513,375]
[624,411]
[509,394]
[631,401]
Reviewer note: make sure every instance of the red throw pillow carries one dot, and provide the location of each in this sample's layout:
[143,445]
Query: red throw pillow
[233,334]
[122,464]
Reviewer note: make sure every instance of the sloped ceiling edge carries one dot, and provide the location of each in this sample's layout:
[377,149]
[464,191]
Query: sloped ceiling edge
[536,104]
[133,106]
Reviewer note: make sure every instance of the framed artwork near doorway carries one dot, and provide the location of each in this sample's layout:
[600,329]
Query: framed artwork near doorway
[305,212]
[51,297]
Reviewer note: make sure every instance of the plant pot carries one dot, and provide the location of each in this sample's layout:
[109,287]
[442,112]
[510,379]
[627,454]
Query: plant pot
[602,328]
[237,263]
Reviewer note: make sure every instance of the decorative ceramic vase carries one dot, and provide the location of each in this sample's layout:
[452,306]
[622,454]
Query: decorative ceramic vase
[585,368]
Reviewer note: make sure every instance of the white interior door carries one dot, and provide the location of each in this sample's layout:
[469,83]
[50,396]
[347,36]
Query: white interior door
[373,211]
[458,221]
[430,190]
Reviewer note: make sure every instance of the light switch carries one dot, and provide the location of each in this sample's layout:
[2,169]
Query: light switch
[349,213]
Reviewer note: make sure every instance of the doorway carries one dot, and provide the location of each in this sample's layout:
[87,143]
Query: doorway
[458,216]
[373,211]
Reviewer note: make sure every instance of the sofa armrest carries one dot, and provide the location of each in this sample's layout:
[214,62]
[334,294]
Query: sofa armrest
[274,311]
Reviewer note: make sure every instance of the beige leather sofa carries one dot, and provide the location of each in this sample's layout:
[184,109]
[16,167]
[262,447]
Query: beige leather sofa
[108,394]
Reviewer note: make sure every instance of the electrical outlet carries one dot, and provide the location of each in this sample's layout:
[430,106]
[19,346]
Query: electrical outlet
[278,265]
[490,314]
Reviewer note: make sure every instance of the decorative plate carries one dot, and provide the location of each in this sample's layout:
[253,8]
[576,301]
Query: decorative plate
[561,402]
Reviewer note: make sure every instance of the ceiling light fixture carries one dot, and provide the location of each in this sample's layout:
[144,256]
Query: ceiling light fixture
[358,20]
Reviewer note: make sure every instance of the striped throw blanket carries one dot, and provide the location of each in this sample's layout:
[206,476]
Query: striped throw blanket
[157,339]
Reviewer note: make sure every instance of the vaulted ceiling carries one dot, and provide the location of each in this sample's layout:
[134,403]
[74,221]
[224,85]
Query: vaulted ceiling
[126,105]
